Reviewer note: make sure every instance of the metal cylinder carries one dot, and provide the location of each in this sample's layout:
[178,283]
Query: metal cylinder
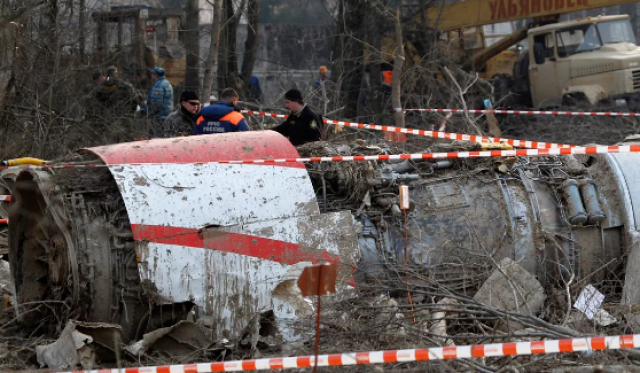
[591,201]
[577,213]
[405,166]
[442,164]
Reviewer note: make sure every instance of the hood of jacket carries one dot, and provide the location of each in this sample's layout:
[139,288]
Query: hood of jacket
[216,111]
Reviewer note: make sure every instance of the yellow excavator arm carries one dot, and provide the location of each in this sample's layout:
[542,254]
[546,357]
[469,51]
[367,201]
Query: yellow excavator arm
[476,13]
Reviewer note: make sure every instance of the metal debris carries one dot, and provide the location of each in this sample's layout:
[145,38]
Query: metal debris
[184,339]
[72,349]
[511,288]
[6,283]
[590,303]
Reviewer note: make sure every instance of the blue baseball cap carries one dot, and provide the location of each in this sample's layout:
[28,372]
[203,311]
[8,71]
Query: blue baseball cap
[158,71]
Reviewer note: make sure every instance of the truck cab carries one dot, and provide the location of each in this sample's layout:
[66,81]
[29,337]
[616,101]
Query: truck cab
[590,61]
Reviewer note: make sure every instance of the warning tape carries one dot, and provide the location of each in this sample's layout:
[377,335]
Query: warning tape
[440,135]
[399,356]
[454,136]
[4,221]
[264,114]
[466,154]
[5,198]
[531,112]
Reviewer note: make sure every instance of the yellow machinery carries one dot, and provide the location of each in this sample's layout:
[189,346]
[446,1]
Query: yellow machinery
[461,26]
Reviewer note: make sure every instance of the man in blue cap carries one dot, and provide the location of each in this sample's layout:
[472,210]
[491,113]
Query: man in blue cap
[159,102]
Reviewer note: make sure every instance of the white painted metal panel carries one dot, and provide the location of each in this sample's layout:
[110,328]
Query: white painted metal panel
[194,195]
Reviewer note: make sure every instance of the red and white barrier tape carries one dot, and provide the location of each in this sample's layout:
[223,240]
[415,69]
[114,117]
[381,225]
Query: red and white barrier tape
[5,198]
[532,112]
[4,221]
[444,124]
[468,154]
[441,135]
[454,136]
[264,114]
[399,356]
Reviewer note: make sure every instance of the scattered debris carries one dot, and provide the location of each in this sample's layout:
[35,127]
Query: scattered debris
[590,303]
[439,328]
[184,340]
[72,349]
[486,261]
[511,288]
[599,369]
[6,284]
[82,343]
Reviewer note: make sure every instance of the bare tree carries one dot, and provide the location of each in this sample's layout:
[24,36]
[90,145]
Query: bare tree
[191,45]
[82,25]
[212,59]
[228,59]
[349,52]
[251,44]
[398,64]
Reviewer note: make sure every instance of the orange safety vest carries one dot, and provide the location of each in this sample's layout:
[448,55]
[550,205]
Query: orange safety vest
[387,77]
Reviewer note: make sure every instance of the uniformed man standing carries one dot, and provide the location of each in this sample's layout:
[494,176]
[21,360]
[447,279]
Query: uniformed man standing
[115,105]
[116,95]
[303,125]
[159,102]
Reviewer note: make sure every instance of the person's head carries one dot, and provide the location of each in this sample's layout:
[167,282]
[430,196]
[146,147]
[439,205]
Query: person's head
[156,73]
[323,71]
[229,95]
[189,101]
[112,72]
[97,75]
[294,100]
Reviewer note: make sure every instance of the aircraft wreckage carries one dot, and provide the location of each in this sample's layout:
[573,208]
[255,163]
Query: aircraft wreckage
[162,231]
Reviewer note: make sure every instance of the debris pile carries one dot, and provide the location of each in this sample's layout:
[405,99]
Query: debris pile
[486,251]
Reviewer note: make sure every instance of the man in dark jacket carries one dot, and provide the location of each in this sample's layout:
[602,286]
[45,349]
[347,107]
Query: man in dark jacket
[221,117]
[116,95]
[182,121]
[303,125]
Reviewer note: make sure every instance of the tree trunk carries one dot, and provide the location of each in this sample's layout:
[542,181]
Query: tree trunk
[82,11]
[191,45]
[227,46]
[350,52]
[251,44]
[338,48]
[56,43]
[398,64]
[213,52]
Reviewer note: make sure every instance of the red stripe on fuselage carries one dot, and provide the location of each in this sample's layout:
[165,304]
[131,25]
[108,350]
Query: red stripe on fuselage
[243,244]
